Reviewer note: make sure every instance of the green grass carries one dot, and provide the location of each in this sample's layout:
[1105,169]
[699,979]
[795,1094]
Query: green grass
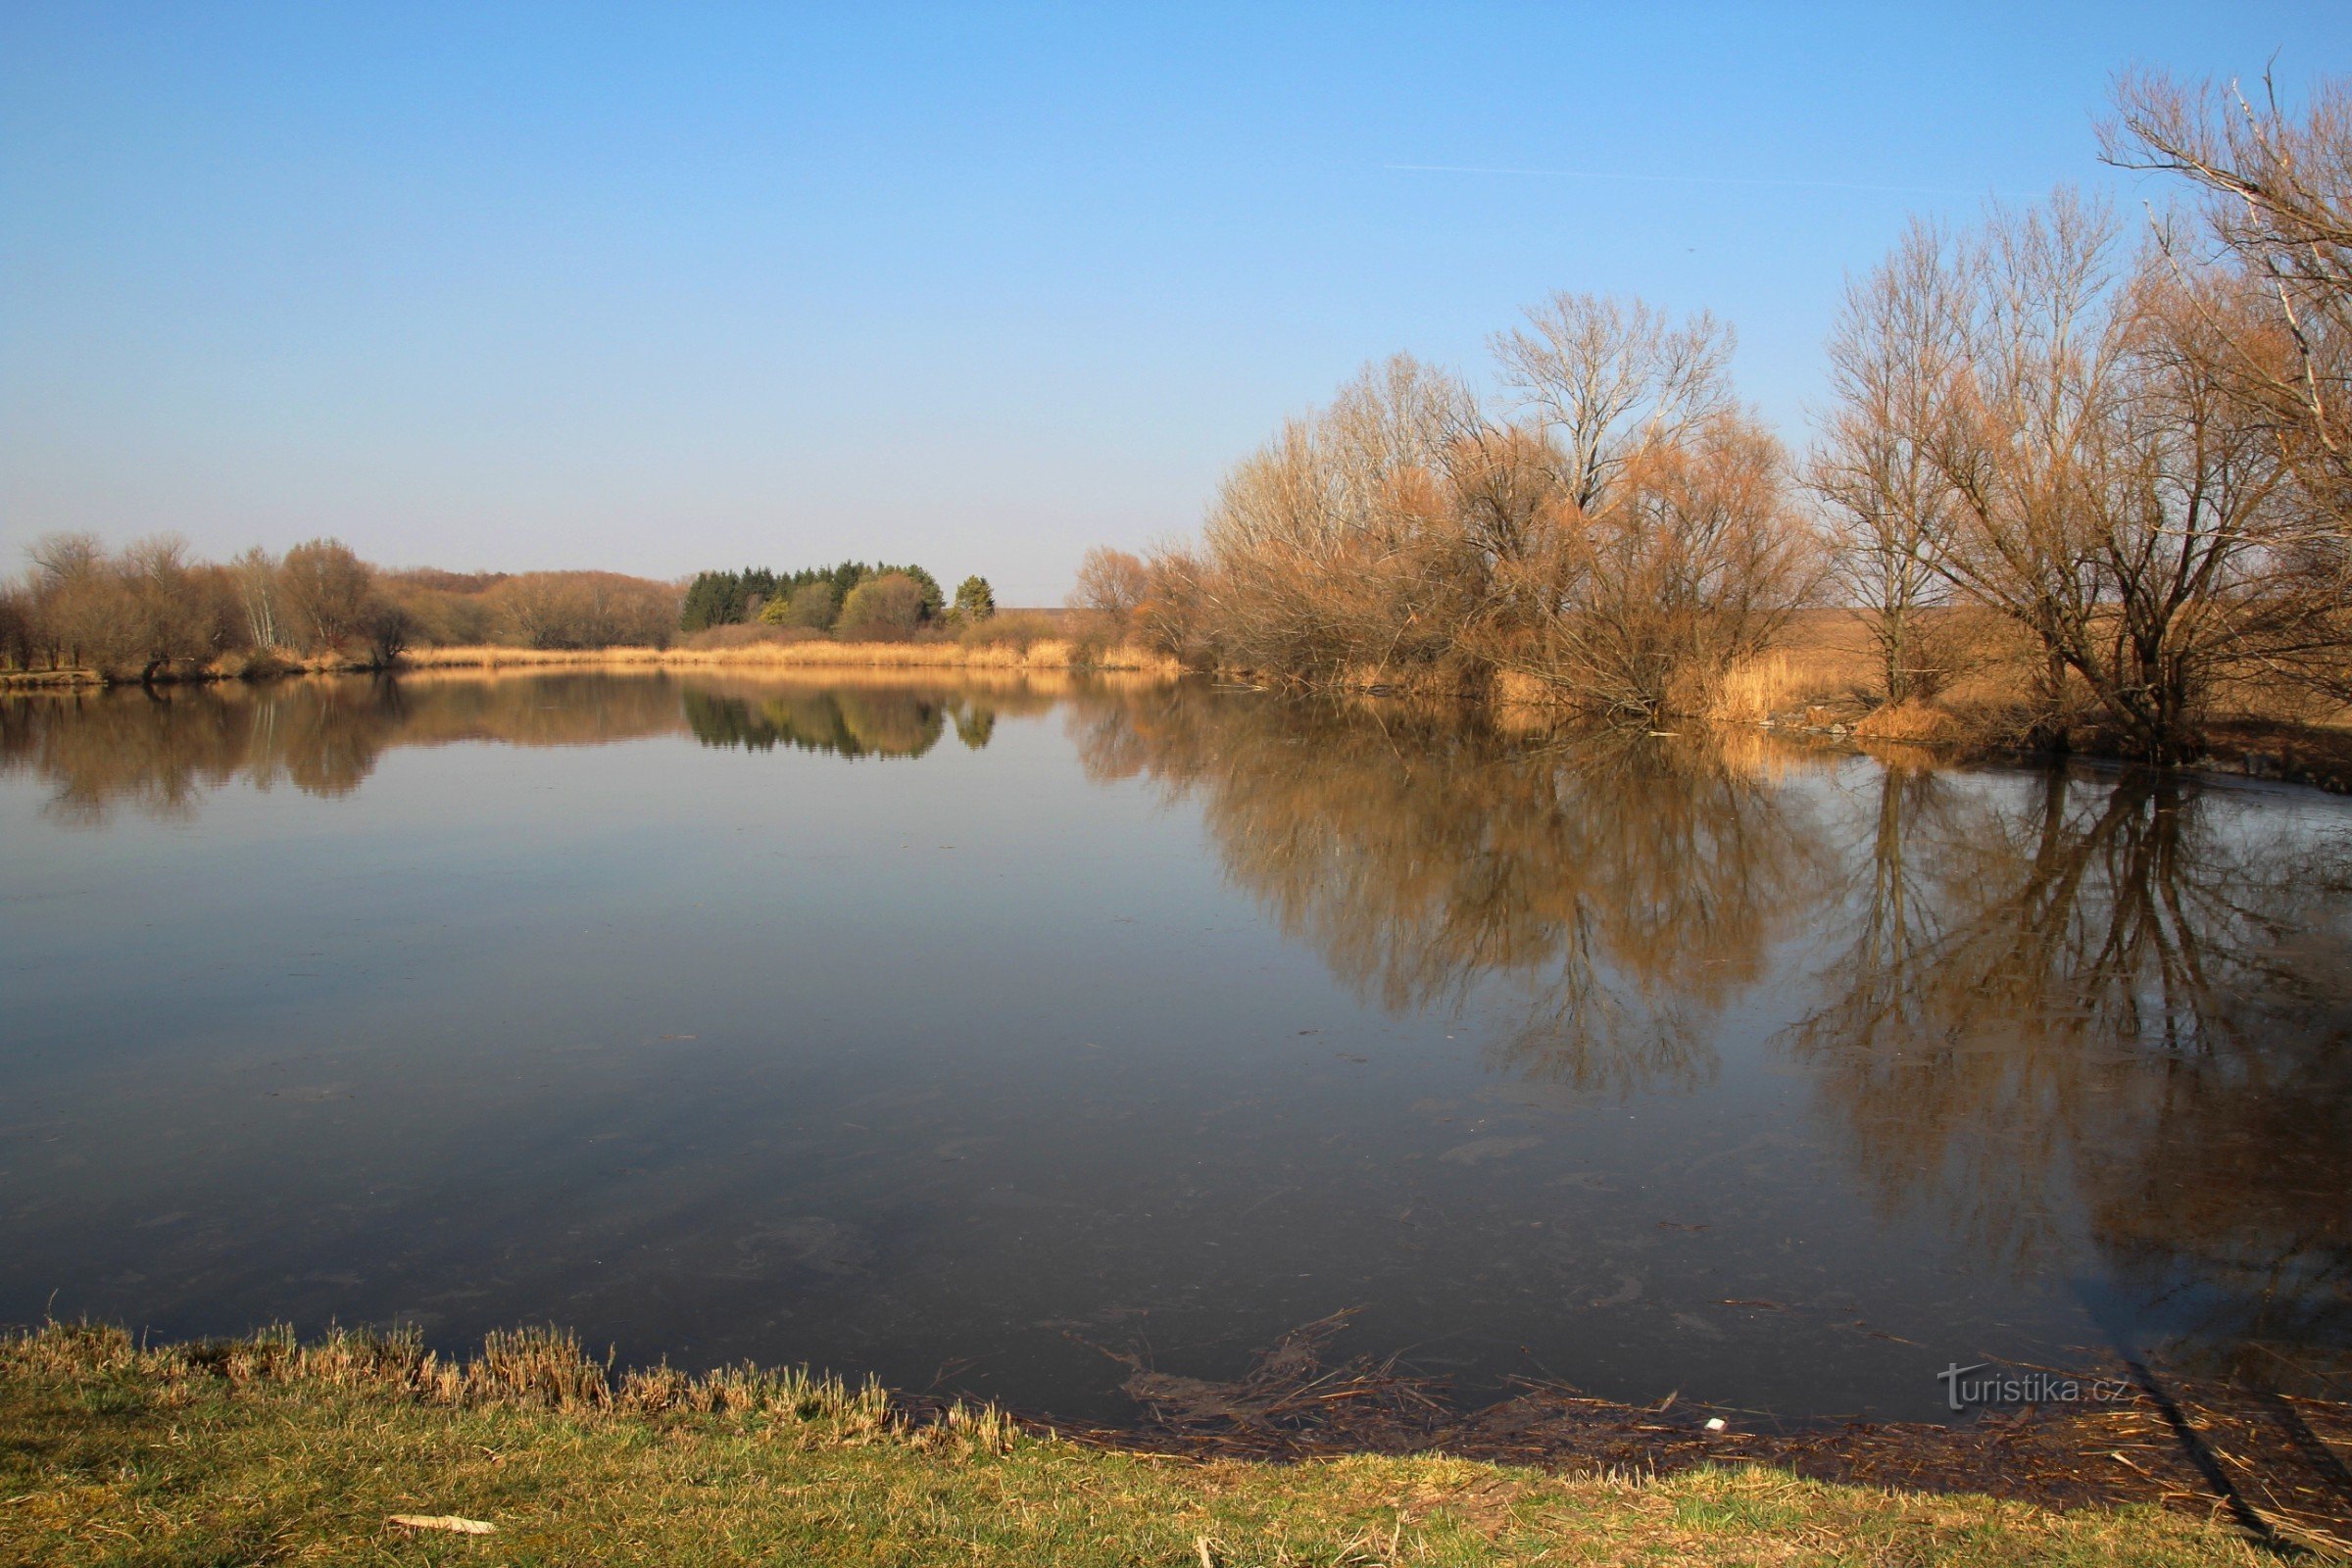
[265,1451]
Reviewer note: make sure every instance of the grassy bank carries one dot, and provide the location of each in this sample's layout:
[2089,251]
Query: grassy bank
[264,1450]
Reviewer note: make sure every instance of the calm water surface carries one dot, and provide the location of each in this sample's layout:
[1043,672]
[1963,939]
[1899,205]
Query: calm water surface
[975,1035]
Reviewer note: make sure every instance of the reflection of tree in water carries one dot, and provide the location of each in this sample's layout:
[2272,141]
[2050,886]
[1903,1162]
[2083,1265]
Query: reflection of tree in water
[848,723]
[2131,997]
[852,723]
[1626,889]
[158,752]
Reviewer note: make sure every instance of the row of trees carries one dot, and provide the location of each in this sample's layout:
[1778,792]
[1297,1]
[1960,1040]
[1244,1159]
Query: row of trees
[1620,530]
[151,607]
[2137,457]
[854,598]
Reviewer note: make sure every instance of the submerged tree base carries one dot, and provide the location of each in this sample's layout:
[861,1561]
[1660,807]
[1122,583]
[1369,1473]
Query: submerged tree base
[268,1448]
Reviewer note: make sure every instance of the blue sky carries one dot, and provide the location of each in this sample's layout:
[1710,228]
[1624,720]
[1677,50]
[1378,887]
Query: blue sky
[668,286]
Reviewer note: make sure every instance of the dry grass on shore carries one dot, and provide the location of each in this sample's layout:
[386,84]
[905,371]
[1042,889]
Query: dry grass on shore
[1824,673]
[1044,654]
[268,1450]
[1025,643]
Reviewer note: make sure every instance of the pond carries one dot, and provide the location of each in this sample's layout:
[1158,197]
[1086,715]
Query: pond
[1006,1037]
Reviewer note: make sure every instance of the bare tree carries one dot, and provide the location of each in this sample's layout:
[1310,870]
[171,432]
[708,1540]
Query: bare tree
[1111,584]
[2277,203]
[2053,431]
[1332,554]
[1174,619]
[2018,427]
[586,610]
[255,574]
[326,591]
[166,615]
[1606,379]
[1889,509]
[71,590]
[1641,607]
[19,633]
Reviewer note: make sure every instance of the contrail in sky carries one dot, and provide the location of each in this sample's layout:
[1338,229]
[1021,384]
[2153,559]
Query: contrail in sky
[1683,180]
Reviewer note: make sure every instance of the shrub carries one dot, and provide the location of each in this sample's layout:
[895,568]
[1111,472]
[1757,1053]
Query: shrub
[586,610]
[1017,629]
[748,635]
[812,605]
[883,607]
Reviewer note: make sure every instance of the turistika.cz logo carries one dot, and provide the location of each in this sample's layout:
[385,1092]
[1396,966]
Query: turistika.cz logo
[1962,1391]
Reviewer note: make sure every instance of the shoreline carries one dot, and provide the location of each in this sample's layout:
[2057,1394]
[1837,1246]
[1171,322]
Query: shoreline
[2240,746]
[1058,655]
[2148,1469]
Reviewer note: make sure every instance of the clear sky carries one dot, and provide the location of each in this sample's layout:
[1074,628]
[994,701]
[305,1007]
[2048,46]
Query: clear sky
[675,285]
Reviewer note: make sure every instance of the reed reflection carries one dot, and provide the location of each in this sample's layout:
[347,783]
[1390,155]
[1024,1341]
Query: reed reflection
[2071,1005]
[1626,889]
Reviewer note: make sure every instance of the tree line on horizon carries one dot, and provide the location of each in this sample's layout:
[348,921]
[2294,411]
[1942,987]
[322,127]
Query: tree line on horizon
[152,611]
[2128,465]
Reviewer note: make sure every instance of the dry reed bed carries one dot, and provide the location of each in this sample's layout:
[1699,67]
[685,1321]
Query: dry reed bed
[1046,653]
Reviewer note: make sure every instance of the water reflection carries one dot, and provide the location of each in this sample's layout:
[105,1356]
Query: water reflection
[159,752]
[847,724]
[2125,998]
[2086,1039]
[2054,1005]
[1628,891]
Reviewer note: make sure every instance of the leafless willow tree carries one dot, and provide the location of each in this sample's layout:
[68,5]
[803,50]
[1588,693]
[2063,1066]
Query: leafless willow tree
[1640,605]
[2277,190]
[1668,548]
[326,589]
[1620,538]
[584,610]
[1331,553]
[1606,379]
[2274,200]
[1111,584]
[1889,512]
[2051,428]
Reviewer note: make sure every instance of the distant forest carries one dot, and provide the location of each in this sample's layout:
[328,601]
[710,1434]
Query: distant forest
[735,598]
